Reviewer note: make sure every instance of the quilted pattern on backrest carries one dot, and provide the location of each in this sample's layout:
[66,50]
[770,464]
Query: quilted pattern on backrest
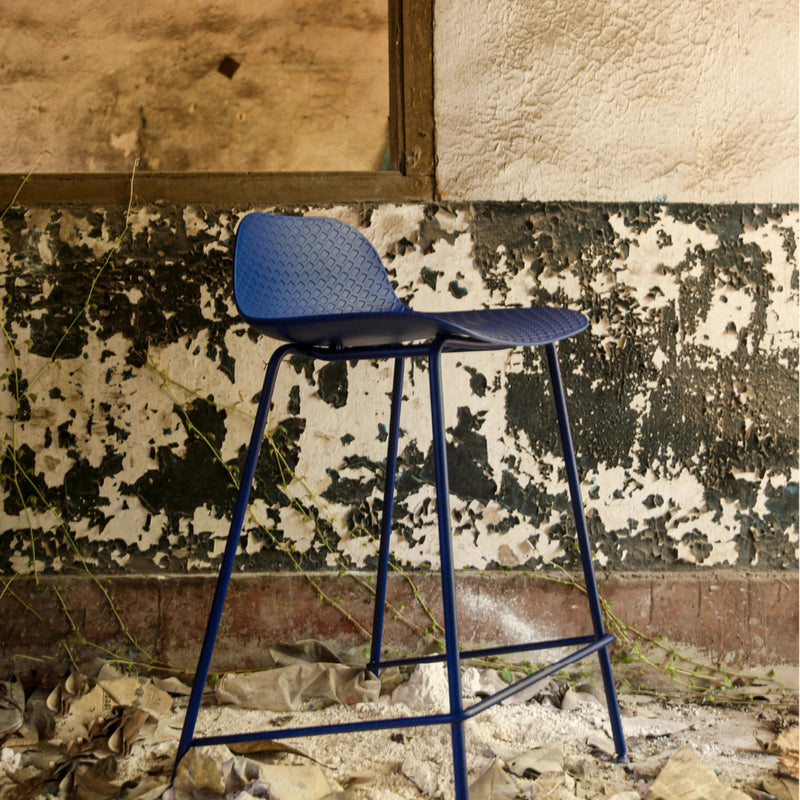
[307,266]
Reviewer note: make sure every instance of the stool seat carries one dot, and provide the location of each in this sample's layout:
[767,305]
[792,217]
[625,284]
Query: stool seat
[320,287]
[500,327]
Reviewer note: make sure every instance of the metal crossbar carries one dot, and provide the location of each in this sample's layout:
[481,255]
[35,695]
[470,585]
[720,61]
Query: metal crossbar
[410,722]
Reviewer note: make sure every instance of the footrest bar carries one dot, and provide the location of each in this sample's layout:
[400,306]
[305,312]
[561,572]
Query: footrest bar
[485,652]
[321,730]
[541,674]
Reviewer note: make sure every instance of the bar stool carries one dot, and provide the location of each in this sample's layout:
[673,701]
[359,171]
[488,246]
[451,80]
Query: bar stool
[319,286]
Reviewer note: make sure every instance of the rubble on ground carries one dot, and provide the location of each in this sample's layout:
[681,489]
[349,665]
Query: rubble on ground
[101,732]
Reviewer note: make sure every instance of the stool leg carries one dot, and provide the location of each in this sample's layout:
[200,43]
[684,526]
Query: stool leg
[452,653]
[226,568]
[585,549]
[386,522]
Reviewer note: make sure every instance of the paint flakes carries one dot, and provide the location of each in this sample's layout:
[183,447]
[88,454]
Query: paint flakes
[683,396]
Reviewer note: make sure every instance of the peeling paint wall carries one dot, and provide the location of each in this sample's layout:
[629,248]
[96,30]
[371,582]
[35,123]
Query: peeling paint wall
[132,418]
[612,100]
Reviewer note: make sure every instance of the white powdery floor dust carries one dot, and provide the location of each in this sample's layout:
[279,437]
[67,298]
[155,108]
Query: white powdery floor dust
[415,763]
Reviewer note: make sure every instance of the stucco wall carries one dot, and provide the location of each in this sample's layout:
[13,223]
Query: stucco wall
[96,84]
[683,393]
[611,100]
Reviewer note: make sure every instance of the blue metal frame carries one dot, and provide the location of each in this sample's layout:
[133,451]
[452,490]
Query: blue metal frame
[598,642]
[386,522]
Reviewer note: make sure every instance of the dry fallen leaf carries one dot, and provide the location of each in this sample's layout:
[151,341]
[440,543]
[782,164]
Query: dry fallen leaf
[782,788]
[786,746]
[685,776]
[12,706]
[495,784]
[789,765]
[198,774]
[265,747]
[123,730]
[785,742]
[531,764]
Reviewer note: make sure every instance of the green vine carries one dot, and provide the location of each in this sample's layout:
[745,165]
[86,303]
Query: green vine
[287,477]
[30,495]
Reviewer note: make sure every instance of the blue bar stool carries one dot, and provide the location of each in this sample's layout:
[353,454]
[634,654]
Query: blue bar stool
[320,287]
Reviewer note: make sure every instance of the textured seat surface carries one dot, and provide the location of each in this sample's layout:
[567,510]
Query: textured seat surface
[318,281]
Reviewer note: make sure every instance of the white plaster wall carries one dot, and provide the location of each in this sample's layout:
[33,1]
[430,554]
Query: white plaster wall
[613,100]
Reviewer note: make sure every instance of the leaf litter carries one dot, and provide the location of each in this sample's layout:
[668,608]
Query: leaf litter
[103,733]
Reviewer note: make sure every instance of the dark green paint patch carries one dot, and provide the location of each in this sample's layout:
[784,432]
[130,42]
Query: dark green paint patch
[468,469]
[332,383]
[180,484]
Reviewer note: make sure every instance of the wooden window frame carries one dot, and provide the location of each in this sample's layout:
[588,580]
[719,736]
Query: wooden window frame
[411,130]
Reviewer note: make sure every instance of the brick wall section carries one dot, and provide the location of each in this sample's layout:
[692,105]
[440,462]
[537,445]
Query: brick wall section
[734,618]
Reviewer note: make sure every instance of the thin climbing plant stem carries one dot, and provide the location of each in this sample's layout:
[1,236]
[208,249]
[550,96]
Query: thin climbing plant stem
[287,477]
[98,274]
[24,180]
[34,497]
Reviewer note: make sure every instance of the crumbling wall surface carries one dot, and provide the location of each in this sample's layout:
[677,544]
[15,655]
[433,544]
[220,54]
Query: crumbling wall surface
[124,426]
[610,100]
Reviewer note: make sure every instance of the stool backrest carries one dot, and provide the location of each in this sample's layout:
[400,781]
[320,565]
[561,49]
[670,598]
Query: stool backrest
[290,267]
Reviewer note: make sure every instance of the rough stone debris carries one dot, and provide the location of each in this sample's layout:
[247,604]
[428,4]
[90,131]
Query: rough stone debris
[426,689]
[530,749]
